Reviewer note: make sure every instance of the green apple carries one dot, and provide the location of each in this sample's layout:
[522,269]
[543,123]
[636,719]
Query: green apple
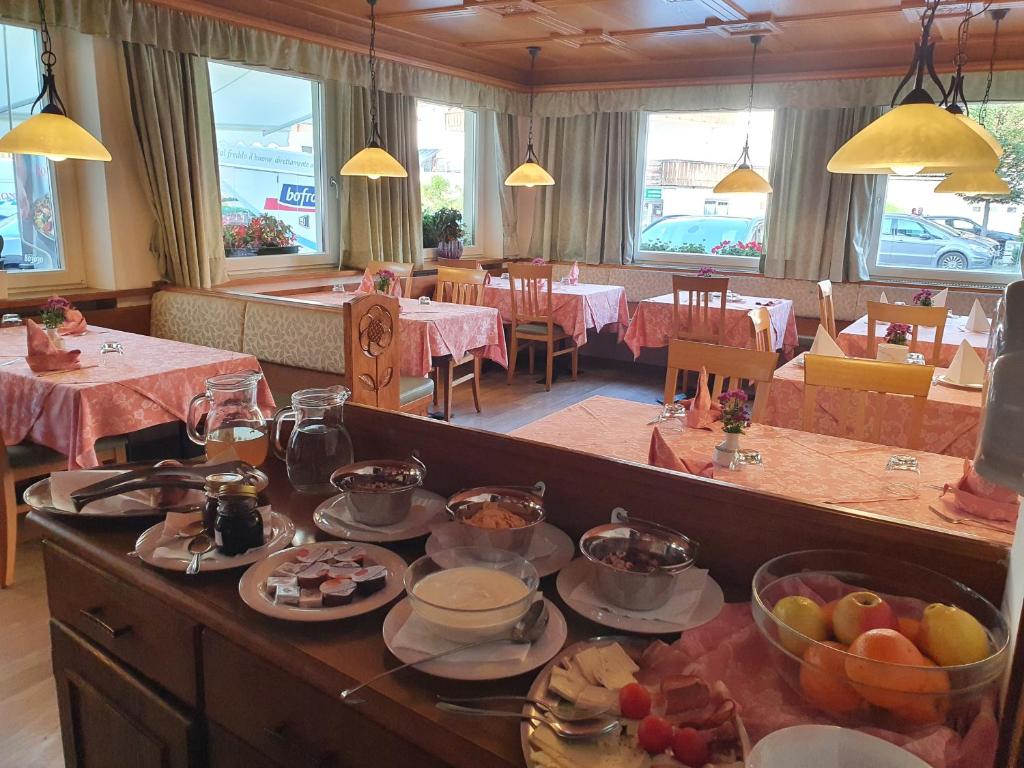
[951,636]
[805,617]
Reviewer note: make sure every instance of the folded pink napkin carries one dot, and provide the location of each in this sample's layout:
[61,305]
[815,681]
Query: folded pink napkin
[43,355]
[662,453]
[74,323]
[574,273]
[974,495]
[702,412]
[366,286]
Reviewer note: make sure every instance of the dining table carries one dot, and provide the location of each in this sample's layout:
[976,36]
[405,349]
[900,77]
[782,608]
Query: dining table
[652,323]
[150,383]
[436,329]
[950,425]
[853,339]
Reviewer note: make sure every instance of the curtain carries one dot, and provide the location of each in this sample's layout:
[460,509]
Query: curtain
[173,115]
[504,132]
[820,224]
[381,219]
[591,213]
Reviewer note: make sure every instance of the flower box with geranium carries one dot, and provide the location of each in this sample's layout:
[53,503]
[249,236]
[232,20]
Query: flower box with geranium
[752,249]
[895,347]
[264,235]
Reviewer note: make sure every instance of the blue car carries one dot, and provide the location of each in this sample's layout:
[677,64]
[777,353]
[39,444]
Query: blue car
[913,241]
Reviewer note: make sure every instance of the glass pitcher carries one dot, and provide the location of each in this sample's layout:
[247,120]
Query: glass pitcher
[319,442]
[235,427]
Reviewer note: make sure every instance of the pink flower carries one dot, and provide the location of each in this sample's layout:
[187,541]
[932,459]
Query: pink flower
[538,261]
[707,271]
[898,333]
[924,297]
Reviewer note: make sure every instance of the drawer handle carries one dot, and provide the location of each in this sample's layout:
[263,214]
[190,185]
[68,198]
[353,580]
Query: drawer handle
[284,735]
[114,632]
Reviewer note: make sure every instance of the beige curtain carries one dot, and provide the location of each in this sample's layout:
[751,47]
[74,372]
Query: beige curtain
[506,159]
[591,213]
[173,115]
[820,224]
[380,219]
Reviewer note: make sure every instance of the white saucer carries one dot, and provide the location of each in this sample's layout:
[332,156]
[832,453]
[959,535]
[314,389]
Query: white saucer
[541,652]
[711,603]
[283,529]
[252,589]
[973,387]
[564,549]
[334,517]
[828,746]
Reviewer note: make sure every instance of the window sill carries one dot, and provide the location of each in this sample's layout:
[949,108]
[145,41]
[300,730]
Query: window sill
[247,266]
[966,279]
[731,263]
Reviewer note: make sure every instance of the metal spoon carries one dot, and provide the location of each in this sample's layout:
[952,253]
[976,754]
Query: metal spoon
[573,731]
[198,547]
[191,530]
[566,713]
[526,631]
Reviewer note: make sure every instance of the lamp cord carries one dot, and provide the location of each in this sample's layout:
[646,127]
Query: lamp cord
[531,155]
[991,67]
[375,136]
[48,58]
[745,157]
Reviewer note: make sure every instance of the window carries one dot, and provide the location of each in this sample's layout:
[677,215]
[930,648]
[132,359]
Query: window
[269,153]
[29,220]
[681,218]
[446,138]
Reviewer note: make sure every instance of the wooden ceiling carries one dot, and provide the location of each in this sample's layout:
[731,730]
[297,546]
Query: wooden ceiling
[616,43]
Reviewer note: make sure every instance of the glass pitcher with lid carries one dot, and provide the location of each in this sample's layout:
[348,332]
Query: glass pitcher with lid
[235,426]
[319,442]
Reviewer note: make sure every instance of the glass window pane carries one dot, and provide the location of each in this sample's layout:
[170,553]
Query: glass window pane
[268,147]
[29,223]
[445,138]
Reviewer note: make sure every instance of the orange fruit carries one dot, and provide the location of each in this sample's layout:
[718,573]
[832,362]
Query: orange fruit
[824,682]
[910,629]
[923,709]
[889,675]
[827,610]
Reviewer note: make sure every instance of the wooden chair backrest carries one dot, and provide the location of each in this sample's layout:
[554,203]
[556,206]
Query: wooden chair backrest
[761,329]
[915,317]
[866,377]
[373,352]
[402,270]
[459,263]
[460,286]
[731,367]
[530,285]
[827,308]
[699,323]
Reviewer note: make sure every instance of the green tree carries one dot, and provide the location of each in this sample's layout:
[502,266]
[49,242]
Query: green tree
[440,193]
[1006,123]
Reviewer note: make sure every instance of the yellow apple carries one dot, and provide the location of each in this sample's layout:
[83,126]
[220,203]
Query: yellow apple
[951,636]
[859,612]
[805,617]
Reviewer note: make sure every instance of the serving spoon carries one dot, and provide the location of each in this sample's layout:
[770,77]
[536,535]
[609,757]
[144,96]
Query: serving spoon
[572,731]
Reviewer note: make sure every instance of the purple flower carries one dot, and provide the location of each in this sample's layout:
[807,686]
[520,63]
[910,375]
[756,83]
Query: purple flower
[538,261]
[898,333]
[924,297]
[706,272]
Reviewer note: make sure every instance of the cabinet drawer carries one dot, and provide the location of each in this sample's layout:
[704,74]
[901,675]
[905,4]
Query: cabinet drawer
[225,750]
[290,722]
[132,626]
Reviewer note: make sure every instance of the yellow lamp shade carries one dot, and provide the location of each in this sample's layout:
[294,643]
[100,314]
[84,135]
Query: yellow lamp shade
[974,182]
[55,137]
[373,163]
[529,174]
[982,131]
[909,139]
[744,180]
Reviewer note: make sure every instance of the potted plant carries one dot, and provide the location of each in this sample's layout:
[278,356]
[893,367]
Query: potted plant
[237,241]
[895,347]
[739,248]
[383,280]
[447,230]
[264,235]
[924,297]
[735,419]
[707,272]
[52,315]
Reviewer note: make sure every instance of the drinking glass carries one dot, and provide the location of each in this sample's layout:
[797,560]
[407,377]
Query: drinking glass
[903,474]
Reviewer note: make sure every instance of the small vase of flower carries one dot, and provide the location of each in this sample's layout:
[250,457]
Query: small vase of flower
[383,281]
[52,315]
[735,419]
[707,272]
[923,298]
[896,345]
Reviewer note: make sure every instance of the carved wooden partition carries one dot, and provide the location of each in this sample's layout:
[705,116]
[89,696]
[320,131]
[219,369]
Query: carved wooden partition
[372,351]
[700,324]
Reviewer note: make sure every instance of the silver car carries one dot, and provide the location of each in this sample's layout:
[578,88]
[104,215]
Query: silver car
[912,241]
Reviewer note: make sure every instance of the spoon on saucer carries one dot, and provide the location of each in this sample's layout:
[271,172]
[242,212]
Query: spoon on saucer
[198,547]
[572,731]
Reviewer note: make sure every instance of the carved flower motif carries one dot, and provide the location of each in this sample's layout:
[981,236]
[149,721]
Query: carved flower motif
[376,330]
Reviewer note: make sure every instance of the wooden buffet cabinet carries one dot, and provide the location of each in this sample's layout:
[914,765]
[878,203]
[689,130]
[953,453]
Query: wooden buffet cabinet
[160,670]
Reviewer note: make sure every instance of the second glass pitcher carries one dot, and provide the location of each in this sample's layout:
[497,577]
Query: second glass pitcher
[234,422]
[319,442]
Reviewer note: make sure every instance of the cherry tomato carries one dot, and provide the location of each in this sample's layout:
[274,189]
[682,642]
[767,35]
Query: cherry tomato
[690,747]
[634,701]
[654,734]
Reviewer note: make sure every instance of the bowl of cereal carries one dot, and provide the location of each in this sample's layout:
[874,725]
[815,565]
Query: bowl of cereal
[498,517]
[380,492]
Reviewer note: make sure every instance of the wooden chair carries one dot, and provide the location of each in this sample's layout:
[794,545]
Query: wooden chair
[866,377]
[915,317]
[731,367]
[826,308]
[700,315]
[458,286]
[402,270]
[532,321]
[761,329]
[459,263]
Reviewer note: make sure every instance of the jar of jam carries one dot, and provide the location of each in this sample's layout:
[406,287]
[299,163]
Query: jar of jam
[239,524]
[212,489]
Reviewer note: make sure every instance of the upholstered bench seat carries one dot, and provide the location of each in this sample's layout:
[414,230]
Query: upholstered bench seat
[413,388]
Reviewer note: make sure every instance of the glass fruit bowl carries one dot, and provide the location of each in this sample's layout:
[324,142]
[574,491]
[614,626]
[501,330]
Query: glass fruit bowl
[888,678]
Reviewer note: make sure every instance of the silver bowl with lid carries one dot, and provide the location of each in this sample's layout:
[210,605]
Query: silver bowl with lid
[380,492]
[526,504]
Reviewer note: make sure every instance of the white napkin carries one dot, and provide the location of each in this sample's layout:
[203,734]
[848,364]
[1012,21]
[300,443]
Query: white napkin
[939,299]
[452,534]
[690,587]
[825,345]
[173,548]
[63,484]
[977,321]
[416,636]
[883,299]
[966,368]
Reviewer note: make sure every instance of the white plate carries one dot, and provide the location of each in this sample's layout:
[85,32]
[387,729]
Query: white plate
[282,531]
[828,746]
[253,592]
[39,498]
[334,517]
[541,652]
[564,549]
[973,387]
[711,602]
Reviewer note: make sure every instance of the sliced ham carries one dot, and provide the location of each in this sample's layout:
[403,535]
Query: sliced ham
[684,692]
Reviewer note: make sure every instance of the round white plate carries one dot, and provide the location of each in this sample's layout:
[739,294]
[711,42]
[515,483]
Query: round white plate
[973,387]
[828,746]
[541,652]
[711,602]
[252,589]
[334,517]
[282,531]
[554,561]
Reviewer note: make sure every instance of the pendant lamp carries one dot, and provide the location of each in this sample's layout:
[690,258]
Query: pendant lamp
[917,134]
[51,133]
[744,179]
[979,183]
[374,162]
[530,173]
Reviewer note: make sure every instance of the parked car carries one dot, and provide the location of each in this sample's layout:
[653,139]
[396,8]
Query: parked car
[963,224]
[913,241]
[673,233]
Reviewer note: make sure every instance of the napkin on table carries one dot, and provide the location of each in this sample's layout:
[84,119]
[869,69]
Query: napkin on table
[974,495]
[574,273]
[663,454]
[702,412]
[43,356]
[976,320]
[824,344]
[690,585]
[883,299]
[415,635]
[74,323]
[939,299]
[966,368]
[63,484]
[173,548]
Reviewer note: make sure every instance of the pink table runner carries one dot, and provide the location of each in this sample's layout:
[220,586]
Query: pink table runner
[853,339]
[952,417]
[652,324]
[576,307]
[152,383]
[437,329]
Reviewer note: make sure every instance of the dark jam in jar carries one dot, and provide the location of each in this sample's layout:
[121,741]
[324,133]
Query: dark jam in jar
[212,487]
[239,525]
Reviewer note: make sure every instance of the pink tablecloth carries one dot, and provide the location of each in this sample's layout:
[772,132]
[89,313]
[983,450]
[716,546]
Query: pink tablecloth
[853,339]
[436,330]
[652,324]
[152,383]
[576,307]
[952,417]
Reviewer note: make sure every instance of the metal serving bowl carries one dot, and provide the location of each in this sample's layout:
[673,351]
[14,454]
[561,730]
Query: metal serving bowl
[388,504]
[527,504]
[637,590]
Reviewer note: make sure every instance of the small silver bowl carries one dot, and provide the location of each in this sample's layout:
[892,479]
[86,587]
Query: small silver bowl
[380,492]
[669,552]
[527,504]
